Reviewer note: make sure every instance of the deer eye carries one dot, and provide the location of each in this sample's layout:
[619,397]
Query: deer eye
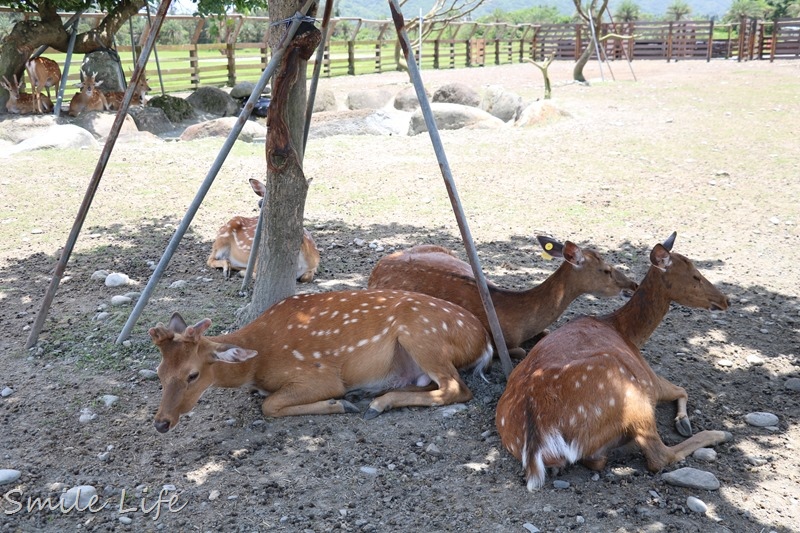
[193,377]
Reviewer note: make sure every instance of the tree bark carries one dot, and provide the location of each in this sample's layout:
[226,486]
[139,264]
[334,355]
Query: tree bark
[286,183]
[577,71]
[28,35]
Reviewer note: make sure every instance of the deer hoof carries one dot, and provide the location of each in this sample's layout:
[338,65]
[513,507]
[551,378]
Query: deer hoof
[684,426]
[371,413]
[349,407]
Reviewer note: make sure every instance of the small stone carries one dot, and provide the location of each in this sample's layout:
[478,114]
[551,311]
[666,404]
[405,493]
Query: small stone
[530,527]
[369,470]
[102,316]
[99,275]
[775,220]
[793,384]
[109,399]
[133,295]
[725,363]
[146,373]
[127,343]
[756,461]
[760,419]
[169,488]
[433,450]
[705,454]
[127,520]
[120,300]
[117,279]
[8,475]
[80,496]
[755,360]
[103,456]
[179,284]
[6,392]
[697,505]
[213,495]
[86,415]
[359,242]
[451,410]
[692,478]
[343,512]
[579,519]
[560,484]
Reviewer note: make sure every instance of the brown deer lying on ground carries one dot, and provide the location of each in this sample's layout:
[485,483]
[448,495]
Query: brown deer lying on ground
[309,350]
[20,103]
[234,242]
[585,389]
[90,98]
[43,73]
[523,315]
[114,98]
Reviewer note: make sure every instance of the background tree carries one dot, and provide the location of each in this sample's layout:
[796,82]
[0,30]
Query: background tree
[627,11]
[46,28]
[678,10]
[746,8]
[590,15]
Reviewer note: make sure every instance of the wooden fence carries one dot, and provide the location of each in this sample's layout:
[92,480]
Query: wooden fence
[359,46]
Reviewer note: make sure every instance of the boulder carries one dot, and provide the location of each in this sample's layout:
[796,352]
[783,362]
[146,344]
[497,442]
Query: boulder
[106,67]
[503,104]
[59,137]
[99,123]
[361,122]
[368,99]
[539,113]
[243,89]
[17,128]
[457,93]
[453,117]
[176,109]
[214,101]
[324,100]
[406,99]
[152,119]
[222,127]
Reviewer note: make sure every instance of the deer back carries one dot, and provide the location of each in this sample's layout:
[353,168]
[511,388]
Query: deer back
[43,73]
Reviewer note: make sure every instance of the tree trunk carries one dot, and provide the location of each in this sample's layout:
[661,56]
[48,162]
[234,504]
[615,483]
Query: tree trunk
[577,72]
[286,183]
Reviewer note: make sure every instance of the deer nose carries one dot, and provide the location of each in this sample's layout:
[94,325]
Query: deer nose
[162,426]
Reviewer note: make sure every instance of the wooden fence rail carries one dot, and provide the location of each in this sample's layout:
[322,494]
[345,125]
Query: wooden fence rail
[359,46]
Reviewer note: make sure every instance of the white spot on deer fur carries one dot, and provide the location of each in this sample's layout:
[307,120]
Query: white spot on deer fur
[622,370]
[362,342]
[333,315]
[556,377]
[285,346]
[351,349]
[577,384]
[572,420]
[323,313]
[503,421]
[414,308]
[584,377]
[316,355]
[444,326]
[589,367]
[597,411]
[376,337]
[425,319]
[290,326]
[601,386]
[298,355]
[342,299]
[460,323]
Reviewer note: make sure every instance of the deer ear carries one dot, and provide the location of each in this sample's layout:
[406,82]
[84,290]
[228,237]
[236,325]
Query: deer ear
[552,248]
[660,258]
[176,323]
[229,353]
[670,241]
[573,254]
[259,188]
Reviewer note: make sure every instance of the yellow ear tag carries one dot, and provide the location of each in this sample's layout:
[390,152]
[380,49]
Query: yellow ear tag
[545,255]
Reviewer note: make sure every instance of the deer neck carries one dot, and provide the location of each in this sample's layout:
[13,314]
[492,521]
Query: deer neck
[641,315]
[540,306]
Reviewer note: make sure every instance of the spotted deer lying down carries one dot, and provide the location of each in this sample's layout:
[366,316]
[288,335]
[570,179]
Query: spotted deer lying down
[585,389]
[307,351]
[523,315]
[234,242]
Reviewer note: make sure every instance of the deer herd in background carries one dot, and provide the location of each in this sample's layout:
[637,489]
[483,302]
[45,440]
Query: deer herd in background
[44,73]
[576,394]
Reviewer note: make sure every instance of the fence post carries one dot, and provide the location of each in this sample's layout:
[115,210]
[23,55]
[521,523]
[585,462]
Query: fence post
[326,60]
[351,58]
[436,64]
[378,57]
[194,65]
[469,52]
[710,41]
[669,43]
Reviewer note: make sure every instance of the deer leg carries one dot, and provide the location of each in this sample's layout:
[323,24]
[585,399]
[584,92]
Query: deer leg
[667,392]
[659,455]
[451,390]
[315,398]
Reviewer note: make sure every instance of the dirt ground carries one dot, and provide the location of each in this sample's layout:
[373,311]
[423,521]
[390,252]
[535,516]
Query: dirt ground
[707,149]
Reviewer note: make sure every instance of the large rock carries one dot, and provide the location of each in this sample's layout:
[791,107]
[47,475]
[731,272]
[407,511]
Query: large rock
[99,123]
[106,68]
[503,104]
[453,117]
[222,127]
[406,99]
[17,128]
[368,99]
[243,89]
[176,109]
[214,101]
[58,136]
[152,119]
[457,93]
[361,122]
[324,100]
[539,113]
